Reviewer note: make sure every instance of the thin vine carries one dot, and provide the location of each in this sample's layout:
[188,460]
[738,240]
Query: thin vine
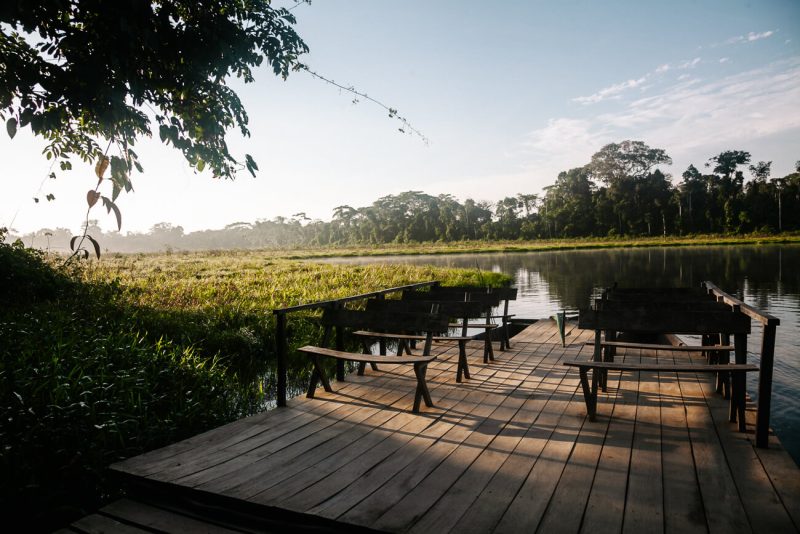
[406,126]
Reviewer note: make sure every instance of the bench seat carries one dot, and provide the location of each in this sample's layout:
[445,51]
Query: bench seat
[488,351]
[590,393]
[653,346]
[420,364]
[463,367]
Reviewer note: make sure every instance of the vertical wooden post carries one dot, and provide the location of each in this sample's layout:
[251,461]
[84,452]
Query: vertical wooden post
[339,346]
[765,386]
[281,351]
[738,382]
[381,341]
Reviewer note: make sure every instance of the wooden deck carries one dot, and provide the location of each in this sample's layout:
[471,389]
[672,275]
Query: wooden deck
[510,450]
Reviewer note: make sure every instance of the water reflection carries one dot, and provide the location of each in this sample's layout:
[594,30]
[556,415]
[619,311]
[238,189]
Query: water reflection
[766,277]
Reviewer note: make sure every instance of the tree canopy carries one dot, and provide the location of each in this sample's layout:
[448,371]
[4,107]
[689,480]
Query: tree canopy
[84,74]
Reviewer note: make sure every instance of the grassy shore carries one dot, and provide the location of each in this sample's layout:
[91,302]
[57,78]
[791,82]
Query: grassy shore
[487,247]
[107,359]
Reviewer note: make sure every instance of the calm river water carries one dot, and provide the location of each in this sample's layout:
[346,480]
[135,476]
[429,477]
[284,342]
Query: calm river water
[767,277]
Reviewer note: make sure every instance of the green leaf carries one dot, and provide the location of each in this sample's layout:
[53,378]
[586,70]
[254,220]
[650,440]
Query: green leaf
[95,244]
[250,163]
[11,127]
[110,206]
[200,165]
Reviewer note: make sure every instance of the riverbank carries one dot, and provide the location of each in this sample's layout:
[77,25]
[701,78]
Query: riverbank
[490,247]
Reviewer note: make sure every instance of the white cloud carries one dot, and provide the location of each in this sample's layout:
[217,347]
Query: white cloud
[756,36]
[750,37]
[611,92]
[614,92]
[724,60]
[689,63]
[684,77]
[691,118]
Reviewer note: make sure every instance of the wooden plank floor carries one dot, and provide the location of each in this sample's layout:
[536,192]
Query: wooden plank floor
[509,450]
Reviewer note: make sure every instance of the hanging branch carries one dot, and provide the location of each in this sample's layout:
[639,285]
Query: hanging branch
[406,126]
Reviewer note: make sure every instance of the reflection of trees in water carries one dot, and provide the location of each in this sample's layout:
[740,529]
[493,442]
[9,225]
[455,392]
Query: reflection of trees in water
[571,277]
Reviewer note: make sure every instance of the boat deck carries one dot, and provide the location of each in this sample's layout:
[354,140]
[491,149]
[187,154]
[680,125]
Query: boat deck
[510,450]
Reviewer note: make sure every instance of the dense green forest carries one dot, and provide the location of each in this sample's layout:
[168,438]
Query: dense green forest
[620,192]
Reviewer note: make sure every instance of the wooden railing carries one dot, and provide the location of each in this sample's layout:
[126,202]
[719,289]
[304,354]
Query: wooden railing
[769,323]
[282,342]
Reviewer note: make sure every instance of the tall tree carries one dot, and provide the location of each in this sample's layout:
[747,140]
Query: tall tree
[728,188]
[623,167]
[621,161]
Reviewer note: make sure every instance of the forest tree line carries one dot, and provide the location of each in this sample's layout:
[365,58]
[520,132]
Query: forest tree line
[620,192]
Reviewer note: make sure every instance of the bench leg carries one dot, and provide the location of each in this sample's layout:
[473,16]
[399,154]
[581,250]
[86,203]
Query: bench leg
[422,387]
[738,382]
[317,374]
[589,395]
[723,379]
[463,367]
[599,355]
[738,403]
[362,366]
[488,351]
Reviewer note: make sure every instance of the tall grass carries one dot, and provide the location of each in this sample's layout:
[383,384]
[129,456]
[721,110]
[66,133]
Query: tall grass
[109,359]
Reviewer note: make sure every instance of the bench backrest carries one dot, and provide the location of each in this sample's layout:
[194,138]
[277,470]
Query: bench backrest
[677,306]
[386,320]
[657,319]
[488,300]
[460,310]
[389,321]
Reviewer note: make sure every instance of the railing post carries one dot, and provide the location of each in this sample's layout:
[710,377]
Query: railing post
[765,385]
[339,346]
[381,341]
[281,351]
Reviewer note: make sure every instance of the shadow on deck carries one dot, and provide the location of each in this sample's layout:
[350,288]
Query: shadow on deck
[509,450]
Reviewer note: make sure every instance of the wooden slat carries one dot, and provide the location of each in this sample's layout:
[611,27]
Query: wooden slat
[606,502]
[675,348]
[761,502]
[654,320]
[644,506]
[723,506]
[683,503]
[365,333]
[151,517]
[101,524]
[674,367]
[367,358]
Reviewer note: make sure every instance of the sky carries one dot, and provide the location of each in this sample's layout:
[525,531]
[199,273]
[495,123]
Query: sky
[508,93]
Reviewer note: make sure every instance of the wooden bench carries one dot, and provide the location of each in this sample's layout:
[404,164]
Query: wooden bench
[463,310]
[485,300]
[318,373]
[590,393]
[503,295]
[379,320]
[669,311]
